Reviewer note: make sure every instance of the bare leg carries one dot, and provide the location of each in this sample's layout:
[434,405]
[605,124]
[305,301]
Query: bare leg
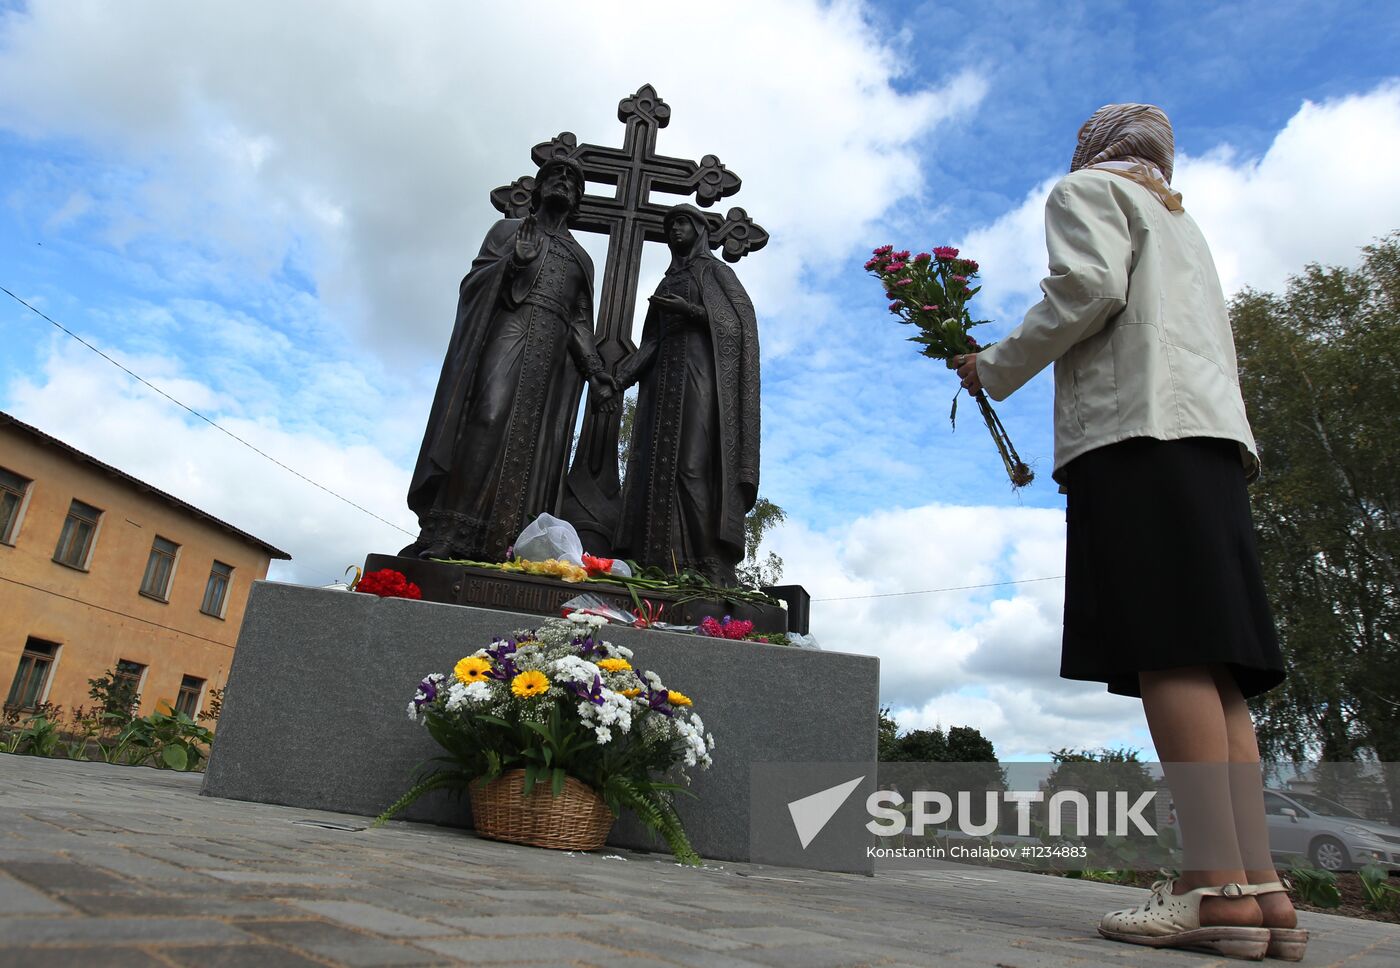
[1187,720]
[1247,801]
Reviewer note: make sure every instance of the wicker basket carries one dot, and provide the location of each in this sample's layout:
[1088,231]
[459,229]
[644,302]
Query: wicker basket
[577,819]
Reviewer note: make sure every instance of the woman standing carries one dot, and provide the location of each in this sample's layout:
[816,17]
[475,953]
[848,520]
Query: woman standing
[1164,598]
[692,473]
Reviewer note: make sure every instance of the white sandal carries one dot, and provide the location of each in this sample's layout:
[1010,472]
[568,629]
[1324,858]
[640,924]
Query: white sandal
[1170,920]
[1285,944]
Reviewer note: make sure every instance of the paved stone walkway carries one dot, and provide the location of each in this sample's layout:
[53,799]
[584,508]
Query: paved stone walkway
[110,867]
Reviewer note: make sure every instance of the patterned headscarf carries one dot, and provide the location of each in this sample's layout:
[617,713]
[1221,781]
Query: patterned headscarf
[1121,137]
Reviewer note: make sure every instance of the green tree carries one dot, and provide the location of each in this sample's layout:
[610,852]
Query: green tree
[887,736]
[763,518]
[960,744]
[1320,372]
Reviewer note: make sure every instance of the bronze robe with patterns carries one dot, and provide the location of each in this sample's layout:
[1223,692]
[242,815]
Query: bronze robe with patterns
[494,452]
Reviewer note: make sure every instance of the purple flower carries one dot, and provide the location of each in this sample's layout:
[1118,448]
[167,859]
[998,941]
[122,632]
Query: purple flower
[658,701]
[593,695]
[588,647]
[503,665]
[427,691]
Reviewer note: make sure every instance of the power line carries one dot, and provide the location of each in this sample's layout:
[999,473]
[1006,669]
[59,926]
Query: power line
[148,383]
[930,591]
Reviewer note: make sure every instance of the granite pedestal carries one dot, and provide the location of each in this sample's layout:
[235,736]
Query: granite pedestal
[315,713]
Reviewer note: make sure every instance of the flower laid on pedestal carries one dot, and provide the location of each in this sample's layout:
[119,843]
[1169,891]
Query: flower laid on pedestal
[387,583]
[730,628]
[545,727]
[931,291]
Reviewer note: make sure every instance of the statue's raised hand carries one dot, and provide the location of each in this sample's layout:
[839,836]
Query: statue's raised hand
[678,305]
[527,241]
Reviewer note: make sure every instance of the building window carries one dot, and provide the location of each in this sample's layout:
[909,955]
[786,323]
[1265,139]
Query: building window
[216,592]
[75,541]
[128,677]
[191,688]
[35,664]
[159,567]
[12,491]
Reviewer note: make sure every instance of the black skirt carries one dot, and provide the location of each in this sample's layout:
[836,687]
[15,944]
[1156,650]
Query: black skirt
[1161,567]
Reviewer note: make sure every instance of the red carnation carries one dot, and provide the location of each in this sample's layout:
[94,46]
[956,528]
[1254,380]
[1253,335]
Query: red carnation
[387,583]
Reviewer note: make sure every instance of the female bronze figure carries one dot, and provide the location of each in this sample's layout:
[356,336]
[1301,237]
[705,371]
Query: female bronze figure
[692,473]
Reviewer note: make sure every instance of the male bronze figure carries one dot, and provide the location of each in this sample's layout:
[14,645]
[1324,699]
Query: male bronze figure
[497,441]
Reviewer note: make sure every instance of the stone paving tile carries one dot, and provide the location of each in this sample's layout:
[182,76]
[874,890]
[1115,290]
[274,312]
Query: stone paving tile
[337,943]
[138,905]
[78,958]
[805,957]
[67,877]
[240,956]
[278,877]
[375,954]
[773,935]
[108,931]
[660,931]
[136,865]
[367,917]
[476,950]
[17,898]
[521,924]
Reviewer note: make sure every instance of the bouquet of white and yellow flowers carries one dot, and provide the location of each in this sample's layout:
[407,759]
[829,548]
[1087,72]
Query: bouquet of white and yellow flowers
[561,701]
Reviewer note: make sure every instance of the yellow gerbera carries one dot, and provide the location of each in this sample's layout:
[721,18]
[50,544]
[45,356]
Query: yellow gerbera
[529,683]
[677,698]
[631,693]
[472,669]
[614,665]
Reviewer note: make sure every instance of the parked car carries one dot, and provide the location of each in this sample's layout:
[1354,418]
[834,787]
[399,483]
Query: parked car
[1327,833]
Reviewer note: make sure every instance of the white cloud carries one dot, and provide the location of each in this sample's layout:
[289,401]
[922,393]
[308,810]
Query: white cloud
[363,140]
[89,404]
[1321,191]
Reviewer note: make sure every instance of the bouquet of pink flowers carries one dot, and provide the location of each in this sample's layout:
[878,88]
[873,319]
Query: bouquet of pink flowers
[931,291]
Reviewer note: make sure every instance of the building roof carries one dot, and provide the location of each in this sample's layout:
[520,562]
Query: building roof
[6,420]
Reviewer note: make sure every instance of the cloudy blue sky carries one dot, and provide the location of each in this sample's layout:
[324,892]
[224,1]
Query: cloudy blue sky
[265,209]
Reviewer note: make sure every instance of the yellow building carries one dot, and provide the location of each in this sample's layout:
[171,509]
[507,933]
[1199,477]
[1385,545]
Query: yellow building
[100,571]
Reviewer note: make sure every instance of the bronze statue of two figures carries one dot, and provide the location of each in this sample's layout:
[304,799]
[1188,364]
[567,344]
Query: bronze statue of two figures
[496,450]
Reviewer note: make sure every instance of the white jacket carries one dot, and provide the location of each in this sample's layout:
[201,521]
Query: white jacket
[1133,319]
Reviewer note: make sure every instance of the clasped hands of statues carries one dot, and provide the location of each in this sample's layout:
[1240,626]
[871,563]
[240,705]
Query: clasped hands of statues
[606,388]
